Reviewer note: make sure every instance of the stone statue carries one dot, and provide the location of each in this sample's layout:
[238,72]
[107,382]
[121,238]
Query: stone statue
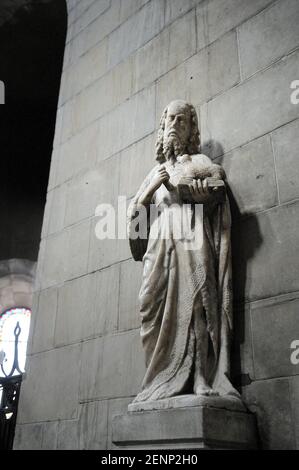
[186,294]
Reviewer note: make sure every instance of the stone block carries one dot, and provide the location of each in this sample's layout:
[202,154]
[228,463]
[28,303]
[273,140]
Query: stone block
[268,36]
[80,198]
[136,31]
[76,254]
[130,282]
[102,318]
[215,20]
[50,435]
[78,154]
[76,304]
[93,425]
[285,145]
[39,277]
[131,121]
[102,253]
[51,383]
[89,432]
[52,259]
[112,366]
[129,8]
[294,394]
[28,437]
[107,182]
[92,9]
[86,70]
[270,401]
[116,407]
[155,51]
[34,309]
[110,91]
[68,121]
[182,40]
[98,29]
[81,15]
[204,75]
[45,315]
[118,85]
[176,8]
[82,7]
[266,100]
[85,192]
[135,163]
[265,253]
[250,172]
[274,328]
[194,427]
[175,44]
[68,435]
[57,202]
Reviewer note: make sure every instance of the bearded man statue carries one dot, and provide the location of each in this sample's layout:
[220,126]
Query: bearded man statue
[186,294]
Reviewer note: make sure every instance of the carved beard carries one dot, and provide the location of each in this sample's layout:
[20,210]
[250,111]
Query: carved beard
[172,147]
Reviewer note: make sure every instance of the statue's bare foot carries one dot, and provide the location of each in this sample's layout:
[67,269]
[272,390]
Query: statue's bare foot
[203,389]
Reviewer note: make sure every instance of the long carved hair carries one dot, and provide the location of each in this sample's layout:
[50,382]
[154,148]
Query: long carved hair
[194,140]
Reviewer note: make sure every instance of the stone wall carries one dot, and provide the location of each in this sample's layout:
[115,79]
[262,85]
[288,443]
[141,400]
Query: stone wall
[124,61]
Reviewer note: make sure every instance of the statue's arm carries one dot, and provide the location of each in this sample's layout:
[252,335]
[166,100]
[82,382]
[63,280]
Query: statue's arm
[158,177]
[143,199]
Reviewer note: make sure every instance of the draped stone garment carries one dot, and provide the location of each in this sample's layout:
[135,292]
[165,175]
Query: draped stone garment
[178,285]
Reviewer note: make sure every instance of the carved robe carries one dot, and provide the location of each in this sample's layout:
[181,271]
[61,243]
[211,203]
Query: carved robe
[179,285]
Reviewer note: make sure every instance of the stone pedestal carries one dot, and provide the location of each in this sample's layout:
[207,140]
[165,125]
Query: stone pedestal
[186,422]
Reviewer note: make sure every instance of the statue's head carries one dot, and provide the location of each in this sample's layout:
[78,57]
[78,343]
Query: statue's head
[178,133]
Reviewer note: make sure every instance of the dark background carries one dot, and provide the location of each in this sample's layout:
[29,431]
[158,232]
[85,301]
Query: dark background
[31,54]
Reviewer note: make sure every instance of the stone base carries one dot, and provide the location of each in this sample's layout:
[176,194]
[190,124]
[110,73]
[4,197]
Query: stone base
[186,422]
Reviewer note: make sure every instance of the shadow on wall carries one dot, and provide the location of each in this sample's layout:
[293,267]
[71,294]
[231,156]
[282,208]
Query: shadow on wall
[244,247]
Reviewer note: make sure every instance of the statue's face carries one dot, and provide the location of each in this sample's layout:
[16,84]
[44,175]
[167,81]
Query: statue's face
[178,123]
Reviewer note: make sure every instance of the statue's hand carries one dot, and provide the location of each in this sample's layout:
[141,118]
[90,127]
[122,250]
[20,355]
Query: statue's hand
[200,191]
[160,177]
